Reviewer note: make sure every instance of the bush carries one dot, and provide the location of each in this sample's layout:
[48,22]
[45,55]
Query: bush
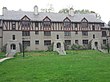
[3,49]
[50,48]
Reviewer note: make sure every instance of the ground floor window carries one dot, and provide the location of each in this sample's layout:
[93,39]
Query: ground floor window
[85,42]
[26,43]
[37,42]
[68,42]
[47,42]
[104,41]
[76,42]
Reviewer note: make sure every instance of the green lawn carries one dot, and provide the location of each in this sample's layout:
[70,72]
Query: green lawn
[76,66]
[2,54]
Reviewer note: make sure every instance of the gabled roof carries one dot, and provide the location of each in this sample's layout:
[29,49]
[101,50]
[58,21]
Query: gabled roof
[56,17]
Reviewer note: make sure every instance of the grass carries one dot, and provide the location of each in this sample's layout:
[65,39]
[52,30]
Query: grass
[2,54]
[76,66]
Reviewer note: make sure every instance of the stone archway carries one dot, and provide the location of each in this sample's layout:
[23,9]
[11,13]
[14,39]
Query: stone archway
[58,45]
[13,47]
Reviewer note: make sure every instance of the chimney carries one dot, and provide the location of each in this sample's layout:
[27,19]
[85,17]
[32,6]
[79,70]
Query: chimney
[36,10]
[4,9]
[71,12]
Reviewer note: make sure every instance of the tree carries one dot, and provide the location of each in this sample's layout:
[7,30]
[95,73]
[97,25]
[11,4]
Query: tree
[83,11]
[48,9]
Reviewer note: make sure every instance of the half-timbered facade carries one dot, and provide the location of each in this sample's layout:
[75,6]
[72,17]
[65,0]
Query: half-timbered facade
[38,30]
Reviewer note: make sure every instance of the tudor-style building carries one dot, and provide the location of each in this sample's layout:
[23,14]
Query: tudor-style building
[38,30]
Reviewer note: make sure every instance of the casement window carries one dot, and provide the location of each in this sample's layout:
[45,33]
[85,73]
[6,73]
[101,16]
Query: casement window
[67,33]
[26,43]
[47,33]
[36,32]
[85,42]
[37,42]
[76,32]
[104,41]
[13,25]
[84,33]
[104,34]
[75,25]
[13,37]
[76,42]
[25,24]
[84,23]
[93,27]
[46,22]
[93,36]
[25,33]
[68,42]
[67,23]
[36,24]
[47,42]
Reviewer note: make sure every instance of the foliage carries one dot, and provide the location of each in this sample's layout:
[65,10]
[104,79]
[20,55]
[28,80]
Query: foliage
[3,49]
[50,48]
[76,66]
[66,47]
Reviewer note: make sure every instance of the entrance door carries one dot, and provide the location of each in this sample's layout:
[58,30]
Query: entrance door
[58,45]
[13,47]
[96,45]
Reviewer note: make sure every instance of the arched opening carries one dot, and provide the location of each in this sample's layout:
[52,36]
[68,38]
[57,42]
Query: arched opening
[13,47]
[58,45]
[96,45]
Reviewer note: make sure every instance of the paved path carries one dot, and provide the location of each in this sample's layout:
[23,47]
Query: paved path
[3,59]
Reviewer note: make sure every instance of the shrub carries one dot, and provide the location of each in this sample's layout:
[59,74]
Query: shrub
[50,48]
[3,49]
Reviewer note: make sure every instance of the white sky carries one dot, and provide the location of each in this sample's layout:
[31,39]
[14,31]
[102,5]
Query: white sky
[99,6]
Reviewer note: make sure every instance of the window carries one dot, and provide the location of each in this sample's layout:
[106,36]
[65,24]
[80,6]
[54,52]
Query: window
[84,23]
[47,33]
[47,42]
[13,25]
[104,41]
[26,43]
[25,33]
[93,36]
[13,47]
[75,25]
[36,32]
[67,23]
[104,34]
[84,33]
[67,33]
[37,42]
[76,32]
[13,37]
[68,42]
[25,24]
[76,41]
[46,22]
[93,27]
[57,36]
[85,42]
[36,24]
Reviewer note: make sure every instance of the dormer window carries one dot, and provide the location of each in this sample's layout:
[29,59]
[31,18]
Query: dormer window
[46,22]
[13,25]
[84,23]
[25,22]
[67,22]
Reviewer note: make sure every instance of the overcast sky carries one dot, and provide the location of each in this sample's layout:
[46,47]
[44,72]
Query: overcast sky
[100,6]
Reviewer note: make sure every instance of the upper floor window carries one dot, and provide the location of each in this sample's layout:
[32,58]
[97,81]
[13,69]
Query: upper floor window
[57,36]
[25,33]
[104,34]
[67,22]
[13,37]
[84,23]
[46,22]
[93,27]
[67,33]
[36,32]
[47,33]
[36,24]
[75,25]
[84,33]
[93,36]
[47,42]
[13,25]
[25,22]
